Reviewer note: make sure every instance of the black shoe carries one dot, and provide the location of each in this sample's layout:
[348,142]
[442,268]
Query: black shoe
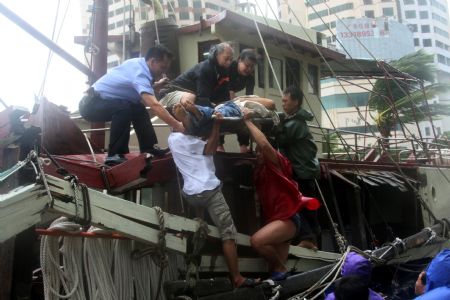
[115,159]
[157,151]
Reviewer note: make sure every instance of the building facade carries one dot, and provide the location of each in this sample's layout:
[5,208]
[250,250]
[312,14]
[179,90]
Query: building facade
[378,38]
[126,14]
[427,21]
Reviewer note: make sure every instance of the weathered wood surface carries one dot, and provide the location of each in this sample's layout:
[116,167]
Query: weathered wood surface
[23,207]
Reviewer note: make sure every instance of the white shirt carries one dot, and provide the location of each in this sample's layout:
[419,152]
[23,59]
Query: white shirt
[198,170]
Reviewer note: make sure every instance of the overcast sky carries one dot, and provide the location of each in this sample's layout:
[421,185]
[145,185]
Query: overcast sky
[23,59]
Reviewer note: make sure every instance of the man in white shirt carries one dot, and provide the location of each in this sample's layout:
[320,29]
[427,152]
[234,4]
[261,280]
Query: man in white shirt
[202,189]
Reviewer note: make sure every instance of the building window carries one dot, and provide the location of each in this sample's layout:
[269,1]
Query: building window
[426,42]
[197,4]
[388,11]
[413,27]
[204,47]
[278,70]
[410,14]
[292,72]
[321,13]
[425,28]
[313,79]
[416,42]
[144,15]
[342,7]
[369,14]
[368,2]
[184,15]
[197,15]
[408,2]
[423,15]
[422,2]
[427,131]
[441,59]
[438,131]
[441,32]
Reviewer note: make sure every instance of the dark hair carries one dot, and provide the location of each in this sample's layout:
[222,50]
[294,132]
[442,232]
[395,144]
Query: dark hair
[351,287]
[295,93]
[249,54]
[158,52]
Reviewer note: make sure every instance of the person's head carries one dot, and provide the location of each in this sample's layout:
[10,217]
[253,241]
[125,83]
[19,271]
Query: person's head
[351,287]
[356,265]
[246,62]
[158,59]
[438,272]
[292,99]
[420,285]
[223,53]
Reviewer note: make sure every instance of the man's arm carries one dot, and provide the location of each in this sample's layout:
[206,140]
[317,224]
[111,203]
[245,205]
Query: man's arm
[161,112]
[213,139]
[268,152]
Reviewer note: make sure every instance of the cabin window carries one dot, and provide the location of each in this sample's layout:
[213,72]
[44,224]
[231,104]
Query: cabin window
[278,70]
[292,72]
[204,47]
[313,79]
[261,67]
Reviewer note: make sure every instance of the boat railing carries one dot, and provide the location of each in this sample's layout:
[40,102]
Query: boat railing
[350,145]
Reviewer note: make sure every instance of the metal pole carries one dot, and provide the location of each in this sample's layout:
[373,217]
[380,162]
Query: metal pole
[99,63]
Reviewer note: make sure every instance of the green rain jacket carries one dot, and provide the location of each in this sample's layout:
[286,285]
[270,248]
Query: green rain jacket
[296,142]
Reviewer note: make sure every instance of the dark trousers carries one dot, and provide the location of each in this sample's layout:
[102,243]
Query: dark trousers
[310,227]
[121,114]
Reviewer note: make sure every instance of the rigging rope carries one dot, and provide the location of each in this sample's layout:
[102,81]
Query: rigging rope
[50,52]
[381,144]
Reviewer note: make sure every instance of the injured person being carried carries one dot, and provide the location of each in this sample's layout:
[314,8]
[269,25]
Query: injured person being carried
[212,84]
[198,120]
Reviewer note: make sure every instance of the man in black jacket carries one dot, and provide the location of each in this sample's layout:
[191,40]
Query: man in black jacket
[204,83]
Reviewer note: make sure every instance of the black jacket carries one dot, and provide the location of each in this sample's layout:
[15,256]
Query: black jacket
[206,80]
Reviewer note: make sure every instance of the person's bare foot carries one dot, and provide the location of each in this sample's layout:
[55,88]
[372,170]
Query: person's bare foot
[308,244]
[242,282]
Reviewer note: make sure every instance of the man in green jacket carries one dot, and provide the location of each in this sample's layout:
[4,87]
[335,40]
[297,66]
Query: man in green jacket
[296,142]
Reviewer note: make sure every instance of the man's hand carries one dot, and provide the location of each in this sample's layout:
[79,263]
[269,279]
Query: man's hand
[161,82]
[186,101]
[248,114]
[218,117]
[179,128]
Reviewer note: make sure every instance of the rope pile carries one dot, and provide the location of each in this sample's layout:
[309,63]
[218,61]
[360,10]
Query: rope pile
[101,268]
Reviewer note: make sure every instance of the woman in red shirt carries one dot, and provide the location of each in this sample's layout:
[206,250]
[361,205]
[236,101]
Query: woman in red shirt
[280,202]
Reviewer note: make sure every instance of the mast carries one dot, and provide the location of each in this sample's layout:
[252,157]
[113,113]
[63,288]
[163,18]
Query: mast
[99,60]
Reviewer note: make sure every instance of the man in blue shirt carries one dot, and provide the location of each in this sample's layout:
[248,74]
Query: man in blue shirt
[121,95]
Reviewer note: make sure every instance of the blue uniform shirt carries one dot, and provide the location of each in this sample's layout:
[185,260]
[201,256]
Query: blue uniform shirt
[126,82]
